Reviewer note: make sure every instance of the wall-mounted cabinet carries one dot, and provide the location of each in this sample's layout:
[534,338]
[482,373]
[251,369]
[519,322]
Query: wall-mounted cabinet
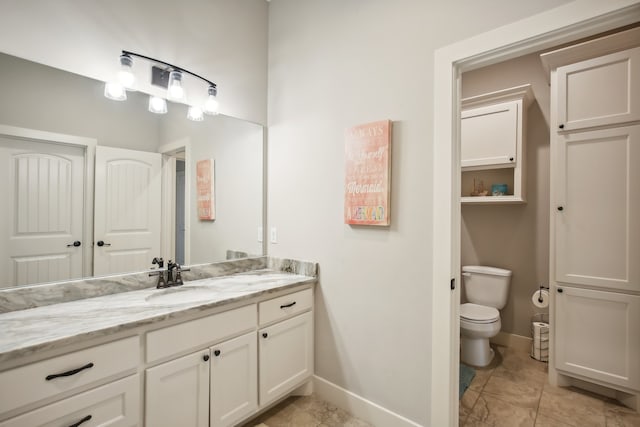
[493,145]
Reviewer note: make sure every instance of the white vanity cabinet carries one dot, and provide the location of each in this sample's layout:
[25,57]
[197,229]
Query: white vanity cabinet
[286,346]
[492,144]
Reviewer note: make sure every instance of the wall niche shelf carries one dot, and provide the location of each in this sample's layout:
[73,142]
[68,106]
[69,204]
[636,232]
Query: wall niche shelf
[493,134]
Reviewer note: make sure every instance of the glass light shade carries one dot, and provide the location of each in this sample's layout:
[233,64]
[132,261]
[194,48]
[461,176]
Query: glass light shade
[157,105]
[115,91]
[195,114]
[211,105]
[175,90]
[125,75]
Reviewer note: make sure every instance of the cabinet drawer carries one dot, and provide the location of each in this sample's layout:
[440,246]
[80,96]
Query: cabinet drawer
[200,332]
[116,404]
[31,383]
[285,306]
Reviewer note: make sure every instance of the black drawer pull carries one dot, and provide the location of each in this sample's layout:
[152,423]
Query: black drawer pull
[82,421]
[69,373]
[288,305]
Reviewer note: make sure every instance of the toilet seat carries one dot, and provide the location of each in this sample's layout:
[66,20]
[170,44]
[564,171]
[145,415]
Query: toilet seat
[476,313]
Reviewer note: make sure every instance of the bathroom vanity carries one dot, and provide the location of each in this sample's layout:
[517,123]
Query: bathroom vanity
[214,351]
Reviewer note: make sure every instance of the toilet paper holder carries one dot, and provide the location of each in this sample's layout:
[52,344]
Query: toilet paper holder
[540,292]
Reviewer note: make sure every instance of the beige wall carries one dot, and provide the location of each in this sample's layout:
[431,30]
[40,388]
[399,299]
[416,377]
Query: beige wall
[515,237]
[334,64]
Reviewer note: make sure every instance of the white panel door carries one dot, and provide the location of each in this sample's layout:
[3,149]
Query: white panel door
[489,135]
[177,392]
[598,335]
[286,356]
[599,91]
[598,208]
[127,210]
[234,380]
[44,190]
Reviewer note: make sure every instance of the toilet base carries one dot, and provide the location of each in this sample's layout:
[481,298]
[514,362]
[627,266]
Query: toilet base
[476,351]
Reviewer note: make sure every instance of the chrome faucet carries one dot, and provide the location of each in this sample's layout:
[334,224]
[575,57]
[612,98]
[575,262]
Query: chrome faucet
[170,276]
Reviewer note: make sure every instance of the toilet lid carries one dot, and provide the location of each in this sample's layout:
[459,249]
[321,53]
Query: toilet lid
[478,313]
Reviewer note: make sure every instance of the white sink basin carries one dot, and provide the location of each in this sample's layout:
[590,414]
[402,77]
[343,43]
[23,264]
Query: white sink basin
[181,295]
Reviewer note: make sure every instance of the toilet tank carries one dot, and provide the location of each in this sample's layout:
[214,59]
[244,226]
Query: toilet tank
[486,285]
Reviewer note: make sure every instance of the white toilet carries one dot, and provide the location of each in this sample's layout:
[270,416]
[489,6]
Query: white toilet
[486,290]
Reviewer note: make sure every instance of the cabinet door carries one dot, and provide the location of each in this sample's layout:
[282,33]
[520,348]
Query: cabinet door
[286,356]
[489,135]
[597,335]
[116,404]
[234,380]
[598,208]
[177,392]
[599,91]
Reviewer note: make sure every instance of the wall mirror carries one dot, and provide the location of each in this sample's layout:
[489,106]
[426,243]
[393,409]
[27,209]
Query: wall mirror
[95,186]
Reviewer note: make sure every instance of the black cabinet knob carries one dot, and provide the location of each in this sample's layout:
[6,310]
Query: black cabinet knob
[205,357]
[264,335]
[75,244]
[561,126]
[101,243]
[216,352]
[560,290]
[560,208]
[511,159]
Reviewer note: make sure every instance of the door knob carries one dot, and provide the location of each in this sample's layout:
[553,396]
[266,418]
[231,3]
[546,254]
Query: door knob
[216,352]
[205,357]
[101,243]
[75,244]
[264,335]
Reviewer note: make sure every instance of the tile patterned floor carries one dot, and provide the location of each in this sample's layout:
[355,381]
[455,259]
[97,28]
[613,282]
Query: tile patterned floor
[307,411]
[513,391]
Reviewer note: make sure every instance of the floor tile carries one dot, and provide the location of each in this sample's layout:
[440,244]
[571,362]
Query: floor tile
[620,416]
[466,404]
[572,406]
[492,411]
[543,421]
[519,393]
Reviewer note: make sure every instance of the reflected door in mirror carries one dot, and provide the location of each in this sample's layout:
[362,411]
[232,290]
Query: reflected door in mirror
[43,219]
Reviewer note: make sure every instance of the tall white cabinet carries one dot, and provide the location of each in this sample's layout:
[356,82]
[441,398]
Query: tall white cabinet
[595,215]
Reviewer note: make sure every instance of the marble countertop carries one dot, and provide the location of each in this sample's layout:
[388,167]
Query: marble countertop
[38,329]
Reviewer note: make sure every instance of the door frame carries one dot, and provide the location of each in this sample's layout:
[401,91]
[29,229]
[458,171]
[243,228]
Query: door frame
[564,24]
[89,147]
[168,221]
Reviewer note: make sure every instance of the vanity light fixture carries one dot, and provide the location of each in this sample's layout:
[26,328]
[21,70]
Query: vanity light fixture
[167,76]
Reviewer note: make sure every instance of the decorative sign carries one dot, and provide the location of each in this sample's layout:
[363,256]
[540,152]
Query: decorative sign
[205,189]
[367,185]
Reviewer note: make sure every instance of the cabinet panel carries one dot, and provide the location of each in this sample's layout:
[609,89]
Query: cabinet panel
[285,306]
[234,380]
[597,335]
[177,392]
[286,356]
[489,135]
[598,191]
[599,91]
[115,404]
[34,382]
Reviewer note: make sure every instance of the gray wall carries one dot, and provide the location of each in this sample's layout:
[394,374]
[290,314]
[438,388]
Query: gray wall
[237,148]
[39,97]
[515,237]
[334,64]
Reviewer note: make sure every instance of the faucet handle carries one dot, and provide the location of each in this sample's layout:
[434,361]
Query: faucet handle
[159,261]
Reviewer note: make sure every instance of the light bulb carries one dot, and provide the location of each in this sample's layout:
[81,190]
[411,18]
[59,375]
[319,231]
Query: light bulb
[115,91]
[157,105]
[125,75]
[211,104]
[175,90]
[195,114]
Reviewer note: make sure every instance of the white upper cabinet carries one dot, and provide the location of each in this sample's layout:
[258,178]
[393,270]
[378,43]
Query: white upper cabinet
[599,91]
[490,135]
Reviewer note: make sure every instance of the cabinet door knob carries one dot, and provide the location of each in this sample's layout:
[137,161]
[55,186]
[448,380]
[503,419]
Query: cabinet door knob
[511,159]
[560,208]
[216,352]
[560,290]
[561,126]
[205,357]
[264,335]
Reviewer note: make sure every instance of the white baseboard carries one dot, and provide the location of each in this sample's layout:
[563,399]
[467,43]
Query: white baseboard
[358,406]
[514,341]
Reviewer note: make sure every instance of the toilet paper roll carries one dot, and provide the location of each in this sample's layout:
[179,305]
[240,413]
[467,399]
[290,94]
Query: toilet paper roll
[540,298]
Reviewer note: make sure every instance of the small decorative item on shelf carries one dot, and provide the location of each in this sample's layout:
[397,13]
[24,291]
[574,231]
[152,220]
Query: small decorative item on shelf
[499,189]
[479,189]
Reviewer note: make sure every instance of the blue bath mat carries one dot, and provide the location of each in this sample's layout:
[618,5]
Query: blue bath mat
[466,376]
